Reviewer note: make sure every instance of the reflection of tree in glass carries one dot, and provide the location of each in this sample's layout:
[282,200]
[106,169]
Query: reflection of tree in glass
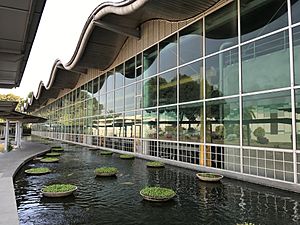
[150,92]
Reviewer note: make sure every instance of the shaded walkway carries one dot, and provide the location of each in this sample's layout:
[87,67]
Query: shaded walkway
[9,164]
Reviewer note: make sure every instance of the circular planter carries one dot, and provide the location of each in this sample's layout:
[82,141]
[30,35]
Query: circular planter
[106,171]
[49,160]
[106,153]
[125,156]
[58,149]
[37,171]
[155,164]
[58,190]
[210,177]
[157,194]
[53,154]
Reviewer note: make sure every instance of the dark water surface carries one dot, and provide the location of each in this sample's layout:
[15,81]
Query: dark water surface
[117,200]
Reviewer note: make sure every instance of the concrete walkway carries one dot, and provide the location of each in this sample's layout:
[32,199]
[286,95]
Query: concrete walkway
[9,164]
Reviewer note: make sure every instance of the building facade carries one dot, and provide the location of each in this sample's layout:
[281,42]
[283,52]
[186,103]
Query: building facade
[219,91]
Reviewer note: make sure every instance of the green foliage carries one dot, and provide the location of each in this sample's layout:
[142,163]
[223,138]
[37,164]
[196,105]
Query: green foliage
[57,148]
[49,159]
[155,164]
[259,132]
[106,170]
[106,153]
[158,192]
[53,154]
[12,97]
[126,156]
[59,188]
[245,223]
[39,170]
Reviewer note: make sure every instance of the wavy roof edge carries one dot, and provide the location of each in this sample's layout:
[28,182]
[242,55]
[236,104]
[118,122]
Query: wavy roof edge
[146,9]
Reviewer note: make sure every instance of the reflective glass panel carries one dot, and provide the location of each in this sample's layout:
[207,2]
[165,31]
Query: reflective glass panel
[110,84]
[267,120]
[298,117]
[138,124]
[265,63]
[223,121]
[296,45]
[119,100]
[261,17]
[119,125]
[129,97]
[222,74]
[191,122]
[109,125]
[130,71]
[96,88]
[190,42]
[129,124]
[168,53]
[221,28]
[102,104]
[102,84]
[295,11]
[190,82]
[168,88]
[150,92]
[167,124]
[150,61]
[110,102]
[150,124]
[119,79]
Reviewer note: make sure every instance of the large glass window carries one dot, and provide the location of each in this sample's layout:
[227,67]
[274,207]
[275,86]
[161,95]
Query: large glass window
[110,81]
[109,125]
[296,45]
[150,124]
[261,17]
[102,104]
[102,84]
[130,71]
[222,74]
[168,123]
[190,42]
[265,63]
[119,100]
[110,102]
[221,28]
[129,97]
[295,10]
[168,53]
[138,124]
[191,122]
[129,124]
[298,117]
[267,120]
[191,82]
[150,92]
[223,121]
[96,88]
[119,76]
[119,125]
[168,88]
[150,61]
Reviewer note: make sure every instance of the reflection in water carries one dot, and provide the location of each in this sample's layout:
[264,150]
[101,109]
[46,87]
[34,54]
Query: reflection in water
[117,200]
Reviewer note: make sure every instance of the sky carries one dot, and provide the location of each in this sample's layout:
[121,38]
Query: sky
[57,36]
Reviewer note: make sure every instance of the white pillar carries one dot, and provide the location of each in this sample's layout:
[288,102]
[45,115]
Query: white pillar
[19,135]
[16,132]
[6,141]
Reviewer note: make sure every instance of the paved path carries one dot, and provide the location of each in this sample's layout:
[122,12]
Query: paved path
[9,164]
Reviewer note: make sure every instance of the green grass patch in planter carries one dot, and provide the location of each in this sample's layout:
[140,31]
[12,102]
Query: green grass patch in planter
[155,164]
[57,148]
[58,190]
[127,156]
[157,194]
[55,154]
[106,153]
[38,171]
[106,171]
[49,159]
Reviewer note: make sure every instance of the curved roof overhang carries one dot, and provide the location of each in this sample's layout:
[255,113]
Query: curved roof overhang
[106,31]
[19,21]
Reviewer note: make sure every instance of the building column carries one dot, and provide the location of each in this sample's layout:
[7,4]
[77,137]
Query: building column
[19,134]
[16,132]
[6,133]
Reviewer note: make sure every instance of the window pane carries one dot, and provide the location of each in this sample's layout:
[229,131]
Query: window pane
[221,28]
[129,124]
[118,125]
[191,122]
[223,121]
[267,120]
[109,122]
[96,88]
[102,84]
[168,88]
[150,92]
[110,84]
[102,104]
[130,71]
[110,102]
[190,82]
[296,43]
[168,53]
[222,74]
[265,63]
[119,100]
[168,123]
[261,17]
[295,10]
[190,42]
[298,117]
[129,97]
[150,123]
[119,76]
[150,61]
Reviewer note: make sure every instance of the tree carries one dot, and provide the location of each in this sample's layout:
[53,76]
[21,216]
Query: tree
[12,97]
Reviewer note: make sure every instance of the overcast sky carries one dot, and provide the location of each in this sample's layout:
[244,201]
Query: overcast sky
[58,33]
